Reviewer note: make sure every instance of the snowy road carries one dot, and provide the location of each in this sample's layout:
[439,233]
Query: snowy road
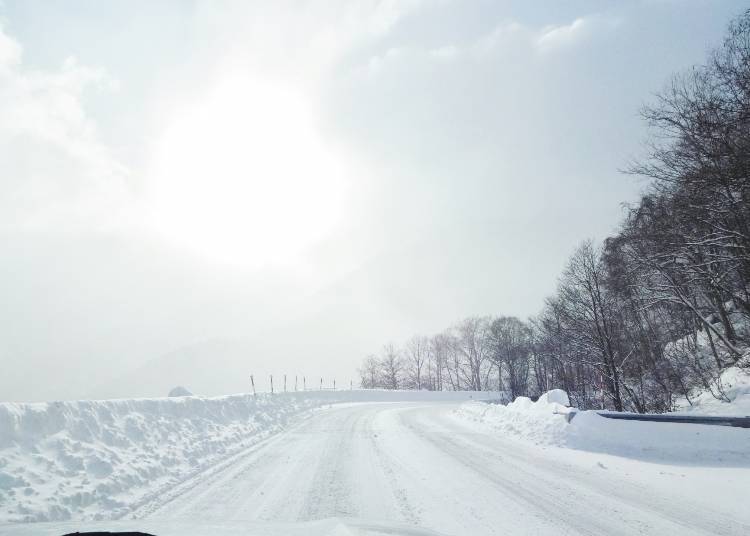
[417,464]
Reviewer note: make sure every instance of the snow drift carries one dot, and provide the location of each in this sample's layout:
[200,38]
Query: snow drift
[548,422]
[95,458]
[101,459]
[542,422]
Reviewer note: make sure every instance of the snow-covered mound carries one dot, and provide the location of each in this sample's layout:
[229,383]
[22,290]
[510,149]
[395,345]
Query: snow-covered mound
[554,401]
[179,391]
[102,459]
[734,384]
[548,422]
[543,421]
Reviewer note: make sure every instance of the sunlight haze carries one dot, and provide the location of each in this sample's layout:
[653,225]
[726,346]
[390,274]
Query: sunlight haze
[194,192]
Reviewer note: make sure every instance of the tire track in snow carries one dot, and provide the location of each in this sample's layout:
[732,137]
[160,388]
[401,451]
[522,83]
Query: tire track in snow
[689,515]
[389,467]
[416,465]
[193,489]
[634,506]
[499,501]
[330,491]
[443,495]
[553,509]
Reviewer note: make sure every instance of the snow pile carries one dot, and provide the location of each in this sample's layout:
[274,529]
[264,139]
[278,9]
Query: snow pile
[96,459]
[543,421]
[549,422]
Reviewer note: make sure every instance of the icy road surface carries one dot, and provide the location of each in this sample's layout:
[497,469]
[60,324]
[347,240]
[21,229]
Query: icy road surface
[417,464]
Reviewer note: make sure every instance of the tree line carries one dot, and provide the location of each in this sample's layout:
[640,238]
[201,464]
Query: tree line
[652,314]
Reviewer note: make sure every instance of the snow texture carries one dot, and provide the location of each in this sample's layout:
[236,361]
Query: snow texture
[735,385]
[325,527]
[396,466]
[546,422]
[101,459]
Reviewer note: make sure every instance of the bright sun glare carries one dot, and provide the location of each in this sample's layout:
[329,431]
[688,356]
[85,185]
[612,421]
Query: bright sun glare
[242,176]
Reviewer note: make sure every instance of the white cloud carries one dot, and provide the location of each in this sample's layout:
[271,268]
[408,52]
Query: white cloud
[556,36]
[377,63]
[10,51]
[506,34]
[448,52]
[508,37]
[56,170]
[302,40]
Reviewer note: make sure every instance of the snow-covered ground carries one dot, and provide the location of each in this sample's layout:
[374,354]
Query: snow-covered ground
[545,422]
[444,466]
[101,459]
[735,385]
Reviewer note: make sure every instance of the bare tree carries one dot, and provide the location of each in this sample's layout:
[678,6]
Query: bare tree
[417,352]
[392,367]
[473,346]
[370,373]
[663,306]
[510,341]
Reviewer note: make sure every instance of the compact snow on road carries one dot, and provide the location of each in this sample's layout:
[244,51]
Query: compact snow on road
[417,464]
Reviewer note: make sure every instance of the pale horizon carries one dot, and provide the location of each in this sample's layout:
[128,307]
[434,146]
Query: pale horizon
[287,187]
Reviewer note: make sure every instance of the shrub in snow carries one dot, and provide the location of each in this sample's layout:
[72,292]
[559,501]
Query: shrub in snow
[179,391]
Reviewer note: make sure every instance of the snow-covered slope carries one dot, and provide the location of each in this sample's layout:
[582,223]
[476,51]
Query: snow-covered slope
[101,459]
[734,383]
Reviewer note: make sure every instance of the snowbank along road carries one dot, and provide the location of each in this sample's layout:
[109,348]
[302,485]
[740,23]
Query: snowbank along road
[418,464]
[441,465]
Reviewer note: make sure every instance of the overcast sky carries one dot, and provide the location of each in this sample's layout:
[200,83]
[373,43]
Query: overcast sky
[313,179]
